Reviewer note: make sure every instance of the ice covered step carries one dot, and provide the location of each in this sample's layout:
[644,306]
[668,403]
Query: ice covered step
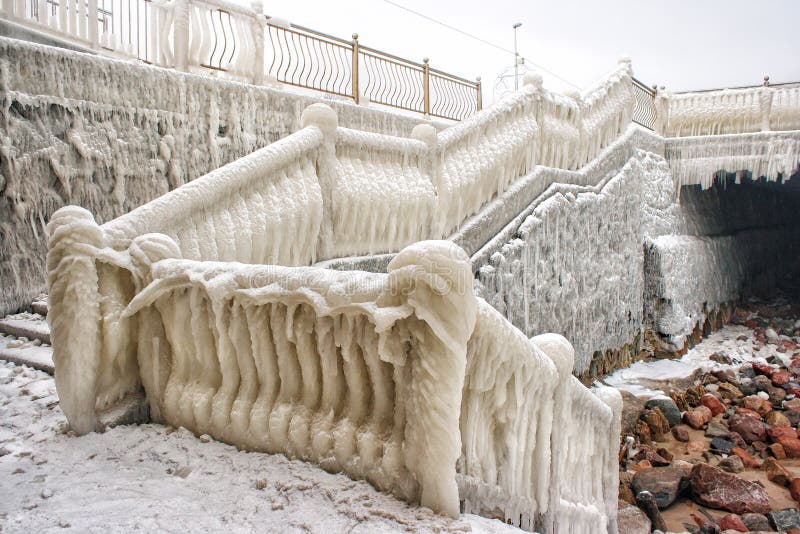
[40,305]
[31,353]
[26,325]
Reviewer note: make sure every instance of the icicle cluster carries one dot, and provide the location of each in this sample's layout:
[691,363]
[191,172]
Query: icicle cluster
[697,160]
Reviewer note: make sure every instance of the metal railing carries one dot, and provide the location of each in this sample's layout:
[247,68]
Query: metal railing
[224,39]
[307,58]
[644,107]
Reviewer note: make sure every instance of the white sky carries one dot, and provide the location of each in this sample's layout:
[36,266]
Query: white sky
[683,44]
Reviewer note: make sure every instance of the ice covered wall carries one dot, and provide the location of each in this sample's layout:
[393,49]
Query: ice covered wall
[573,264]
[726,242]
[110,135]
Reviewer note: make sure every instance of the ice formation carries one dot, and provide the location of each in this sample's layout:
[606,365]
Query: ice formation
[392,378]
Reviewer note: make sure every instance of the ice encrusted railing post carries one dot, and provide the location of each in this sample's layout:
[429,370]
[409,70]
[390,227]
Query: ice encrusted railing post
[324,117]
[584,471]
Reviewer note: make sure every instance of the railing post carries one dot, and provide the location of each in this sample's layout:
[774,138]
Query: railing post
[181,35]
[92,33]
[355,68]
[765,102]
[479,105]
[426,86]
[257,27]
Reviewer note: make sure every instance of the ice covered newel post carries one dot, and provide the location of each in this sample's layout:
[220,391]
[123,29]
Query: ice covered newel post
[437,278]
[74,312]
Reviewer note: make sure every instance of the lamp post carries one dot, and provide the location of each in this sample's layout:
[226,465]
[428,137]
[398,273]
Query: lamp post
[516,57]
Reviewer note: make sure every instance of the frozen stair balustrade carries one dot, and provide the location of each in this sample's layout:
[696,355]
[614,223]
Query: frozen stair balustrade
[389,378]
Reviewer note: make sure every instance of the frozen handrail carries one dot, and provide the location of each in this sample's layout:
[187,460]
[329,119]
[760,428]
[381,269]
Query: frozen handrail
[393,378]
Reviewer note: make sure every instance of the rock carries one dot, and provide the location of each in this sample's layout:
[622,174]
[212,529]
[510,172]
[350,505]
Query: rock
[667,407]
[655,419]
[780,377]
[776,472]
[647,503]
[744,412]
[722,445]
[793,404]
[794,489]
[717,429]
[762,368]
[756,522]
[776,395]
[644,464]
[761,383]
[771,335]
[791,447]
[777,451]
[717,489]
[777,432]
[757,404]
[732,464]
[665,454]
[792,415]
[720,357]
[712,403]
[625,492]
[748,461]
[784,519]
[693,394]
[732,522]
[631,520]
[737,439]
[680,433]
[749,428]
[664,483]
[632,407]
[642,432]
[655,459]
[729,391]
[776,418]
[697,417]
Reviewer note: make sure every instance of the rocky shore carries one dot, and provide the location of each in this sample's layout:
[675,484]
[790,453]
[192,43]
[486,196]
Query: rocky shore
[717,450]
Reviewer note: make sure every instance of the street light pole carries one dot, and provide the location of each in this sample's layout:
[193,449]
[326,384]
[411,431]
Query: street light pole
[516,57]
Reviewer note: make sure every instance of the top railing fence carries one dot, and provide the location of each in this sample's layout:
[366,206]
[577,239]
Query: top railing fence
[644,107]
[224,39]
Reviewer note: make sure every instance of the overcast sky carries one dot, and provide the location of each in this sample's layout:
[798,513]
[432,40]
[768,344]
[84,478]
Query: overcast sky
[682,44]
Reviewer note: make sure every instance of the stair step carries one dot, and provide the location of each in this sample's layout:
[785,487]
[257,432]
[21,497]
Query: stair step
[26,325]
[38,357]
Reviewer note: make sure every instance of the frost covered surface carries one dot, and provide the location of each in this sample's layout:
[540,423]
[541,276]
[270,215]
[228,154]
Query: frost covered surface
[697,160]
[728,111]
[110,135]
[152,477]
[574,265]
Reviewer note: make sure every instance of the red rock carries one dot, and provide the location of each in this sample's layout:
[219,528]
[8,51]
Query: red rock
[680,433]
[794,489]
[732,522]
[777,451]
[780,377]
[744,412]
[791,446]
[757,404]
[748,461]
[762,368]
[750,429]
[697,417]
[793,389]
[712,403]
[776,472]
[644,464]
[717,489]
[793,404]
[777,432]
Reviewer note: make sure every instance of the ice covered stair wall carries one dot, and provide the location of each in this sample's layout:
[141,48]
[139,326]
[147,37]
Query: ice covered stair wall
[393,378]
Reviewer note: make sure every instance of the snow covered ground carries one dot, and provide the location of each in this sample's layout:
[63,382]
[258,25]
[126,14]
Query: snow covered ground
[156,478]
